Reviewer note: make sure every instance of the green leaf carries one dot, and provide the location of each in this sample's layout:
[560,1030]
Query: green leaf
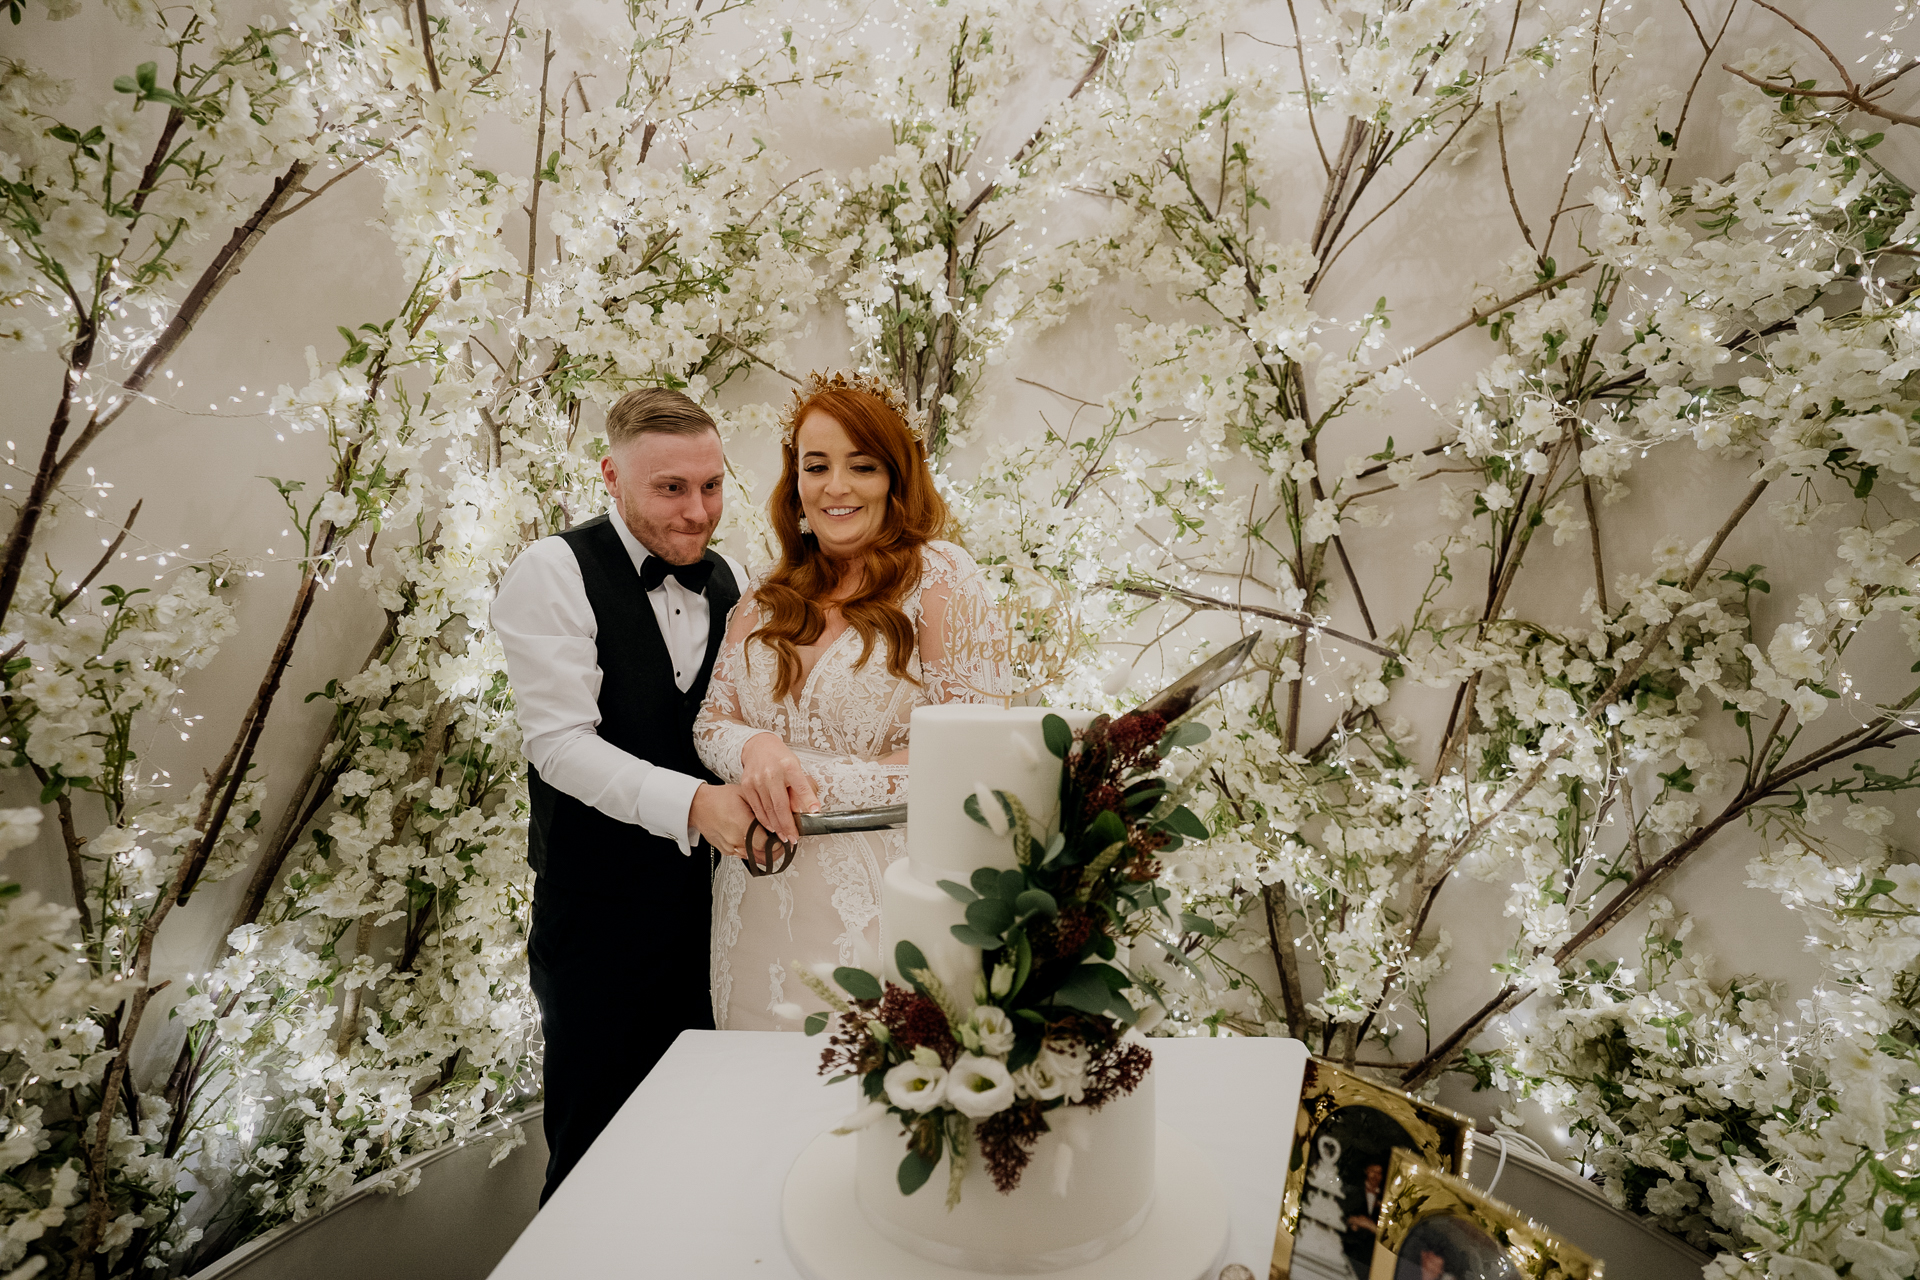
[1036,900]
[990,916]
[1084,990]
[1058,734]
[972,807]
[1106,829]
[1185,734]
[816,1023]
[1058,844]
[1013,883]
[1183,821]
[915,1169]
[959,892]
[986,881]
[1198,924]
[907,958]
[975,938]
[1022,963]
[857,983]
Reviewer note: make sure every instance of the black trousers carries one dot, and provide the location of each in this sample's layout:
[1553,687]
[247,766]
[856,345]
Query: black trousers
[619,971]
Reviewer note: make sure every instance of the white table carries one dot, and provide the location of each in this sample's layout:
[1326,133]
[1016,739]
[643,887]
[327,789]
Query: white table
[686,1180]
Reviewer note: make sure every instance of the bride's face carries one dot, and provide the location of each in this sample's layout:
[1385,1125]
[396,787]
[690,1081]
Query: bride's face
[842,491]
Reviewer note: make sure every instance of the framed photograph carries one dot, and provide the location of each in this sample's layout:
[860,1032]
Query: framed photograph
[1434,1226]
[1343,1144]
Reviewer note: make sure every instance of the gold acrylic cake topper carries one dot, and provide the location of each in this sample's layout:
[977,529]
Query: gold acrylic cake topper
[1005,650]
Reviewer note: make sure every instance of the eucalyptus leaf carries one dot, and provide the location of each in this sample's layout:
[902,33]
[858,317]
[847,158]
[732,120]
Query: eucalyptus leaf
[1036,900]
[958,892]
[1116,979]
[857,983]
[975,938]
[1058,734]
[1012,885]
[1106,829]
[816,1023]
[1084,990]
[1055,847]
[907,958]
[915,1169]
[986,881]
[990,915]
[972,807]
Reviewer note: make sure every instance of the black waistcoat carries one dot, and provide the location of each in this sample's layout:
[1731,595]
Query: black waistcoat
[642,712]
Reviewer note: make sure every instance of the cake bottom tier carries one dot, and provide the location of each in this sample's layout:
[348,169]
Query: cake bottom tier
[1089,1188]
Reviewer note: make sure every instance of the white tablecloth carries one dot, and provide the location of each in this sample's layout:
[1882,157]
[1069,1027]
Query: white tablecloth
[686,1180]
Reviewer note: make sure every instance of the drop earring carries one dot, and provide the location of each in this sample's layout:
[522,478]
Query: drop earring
[805,528]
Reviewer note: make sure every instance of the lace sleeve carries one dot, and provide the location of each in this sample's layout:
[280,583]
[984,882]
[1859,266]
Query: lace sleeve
[965,651]
[846,782]
[720,732]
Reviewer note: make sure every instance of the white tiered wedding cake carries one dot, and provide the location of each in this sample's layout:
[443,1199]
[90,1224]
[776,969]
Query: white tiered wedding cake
[1009,1120]
[1091,1182]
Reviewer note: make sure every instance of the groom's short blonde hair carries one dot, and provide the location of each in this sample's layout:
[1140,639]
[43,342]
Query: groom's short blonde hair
[655,410]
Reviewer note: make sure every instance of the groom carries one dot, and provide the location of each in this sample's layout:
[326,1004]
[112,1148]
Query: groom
[610,631]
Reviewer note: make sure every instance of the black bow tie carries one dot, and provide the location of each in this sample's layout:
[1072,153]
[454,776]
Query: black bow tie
[654,571]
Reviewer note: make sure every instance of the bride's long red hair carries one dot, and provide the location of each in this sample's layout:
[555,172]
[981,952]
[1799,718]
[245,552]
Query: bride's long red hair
[790,613]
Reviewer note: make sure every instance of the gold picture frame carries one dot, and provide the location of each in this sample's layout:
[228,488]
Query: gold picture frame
[1362,1124]
[1434,1226]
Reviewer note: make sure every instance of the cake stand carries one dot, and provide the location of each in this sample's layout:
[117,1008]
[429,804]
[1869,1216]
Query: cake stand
[828,1238]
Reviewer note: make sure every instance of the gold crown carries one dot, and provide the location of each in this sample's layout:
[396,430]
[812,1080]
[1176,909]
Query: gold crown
[867,383]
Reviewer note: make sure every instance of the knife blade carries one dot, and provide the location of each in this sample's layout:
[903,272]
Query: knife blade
[841,820]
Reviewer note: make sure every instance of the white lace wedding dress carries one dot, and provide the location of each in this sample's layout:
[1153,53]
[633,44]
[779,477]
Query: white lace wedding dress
[843,722]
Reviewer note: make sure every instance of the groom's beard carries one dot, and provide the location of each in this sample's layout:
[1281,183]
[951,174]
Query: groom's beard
[671,540]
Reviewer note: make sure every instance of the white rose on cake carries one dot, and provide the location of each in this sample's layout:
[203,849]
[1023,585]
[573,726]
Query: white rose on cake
[979,1087]
[917,1086]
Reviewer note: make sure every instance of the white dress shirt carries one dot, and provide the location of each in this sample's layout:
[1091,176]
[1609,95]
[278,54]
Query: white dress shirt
[547,628]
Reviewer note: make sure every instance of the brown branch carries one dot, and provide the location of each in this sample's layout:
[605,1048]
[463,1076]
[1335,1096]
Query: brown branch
[1306,622]
[27,518]
[225,265]
[1306,89]
[225,784]
[1851,97]
[426,45]
[539,167]
[1500,128]
[105,559]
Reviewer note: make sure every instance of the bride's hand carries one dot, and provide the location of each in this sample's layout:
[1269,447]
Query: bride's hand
[775,785]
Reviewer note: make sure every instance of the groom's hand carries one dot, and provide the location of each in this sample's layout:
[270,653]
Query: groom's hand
[722,816]
[775,785]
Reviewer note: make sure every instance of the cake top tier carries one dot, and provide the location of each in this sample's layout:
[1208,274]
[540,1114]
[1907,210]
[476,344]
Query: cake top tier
[957,747]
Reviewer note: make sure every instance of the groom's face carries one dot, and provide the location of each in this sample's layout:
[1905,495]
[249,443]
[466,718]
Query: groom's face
[667,489]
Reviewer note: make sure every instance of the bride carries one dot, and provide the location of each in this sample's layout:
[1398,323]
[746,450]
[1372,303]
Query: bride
[867,616]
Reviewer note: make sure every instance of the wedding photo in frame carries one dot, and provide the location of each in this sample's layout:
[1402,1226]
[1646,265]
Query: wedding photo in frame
[1434,1226]
[1344,1140]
